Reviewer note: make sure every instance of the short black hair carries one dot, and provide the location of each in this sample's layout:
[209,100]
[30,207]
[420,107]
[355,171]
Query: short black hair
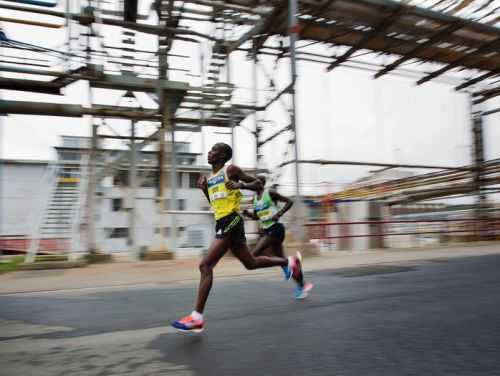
[226,150]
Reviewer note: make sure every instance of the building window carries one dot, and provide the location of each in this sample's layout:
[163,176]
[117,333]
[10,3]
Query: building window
[69,156]
[179,179]
[148,179]
[146,158]
[119,232]
[166,205]
[196,238]
[166,231]
[193,180]
[181,204]
[75,142]
[116,204]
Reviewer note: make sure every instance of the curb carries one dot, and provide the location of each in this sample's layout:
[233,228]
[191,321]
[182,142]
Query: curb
[43,265]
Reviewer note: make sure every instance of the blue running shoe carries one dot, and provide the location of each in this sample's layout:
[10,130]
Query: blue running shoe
[286,272]
[303,292]
[188,324]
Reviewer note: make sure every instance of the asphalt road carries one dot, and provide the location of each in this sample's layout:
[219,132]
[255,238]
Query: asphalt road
[430,318]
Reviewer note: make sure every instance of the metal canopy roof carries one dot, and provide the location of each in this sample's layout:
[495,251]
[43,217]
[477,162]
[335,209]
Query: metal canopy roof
[402,30]
[454,34]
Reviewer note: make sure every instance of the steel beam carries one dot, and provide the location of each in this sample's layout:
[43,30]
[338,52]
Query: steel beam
[74,110]
[477,79]
[117,112]
[412,54]
[225,5]
[491,112]
[317,12]
[486,94]
[97,80]
[478,162]
[380,28]
[289,89]
[293,34]
[31,23]
[487,47]
[30,85]
[134,83]
[277,15]
[281,131]
[88,19]
[91,192]
[428,14]
[352,163]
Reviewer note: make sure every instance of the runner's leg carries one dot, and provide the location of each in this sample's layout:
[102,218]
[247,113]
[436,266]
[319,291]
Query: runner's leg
[250,262]
[217,249]
[263,243]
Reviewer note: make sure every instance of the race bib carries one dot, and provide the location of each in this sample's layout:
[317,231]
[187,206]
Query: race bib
[216,188]
[265,215]
[217,195]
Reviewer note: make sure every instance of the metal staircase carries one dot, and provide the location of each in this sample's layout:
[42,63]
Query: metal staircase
[58,217]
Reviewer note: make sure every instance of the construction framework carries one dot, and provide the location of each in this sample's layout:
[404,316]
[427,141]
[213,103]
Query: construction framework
[424,39]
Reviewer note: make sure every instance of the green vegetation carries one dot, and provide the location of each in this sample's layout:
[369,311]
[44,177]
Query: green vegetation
[10,264]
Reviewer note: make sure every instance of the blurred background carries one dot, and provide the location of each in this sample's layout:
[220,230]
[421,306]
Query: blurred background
[380,119]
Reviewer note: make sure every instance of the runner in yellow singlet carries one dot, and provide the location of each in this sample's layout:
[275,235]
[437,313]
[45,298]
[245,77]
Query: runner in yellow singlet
[222,190]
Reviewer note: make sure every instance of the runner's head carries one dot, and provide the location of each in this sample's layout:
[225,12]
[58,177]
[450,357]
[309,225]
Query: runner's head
[262,179]
[220,153]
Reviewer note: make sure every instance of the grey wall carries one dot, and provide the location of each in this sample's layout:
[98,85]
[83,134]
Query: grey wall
[21,184]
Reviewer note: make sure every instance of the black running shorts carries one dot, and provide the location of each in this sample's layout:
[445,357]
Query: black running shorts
[276,231]
[231,226]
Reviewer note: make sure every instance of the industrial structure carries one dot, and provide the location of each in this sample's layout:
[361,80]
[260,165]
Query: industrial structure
[57,209]
[425,39]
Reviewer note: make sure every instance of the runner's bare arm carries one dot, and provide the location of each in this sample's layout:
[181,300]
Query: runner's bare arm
[250,214]
[275,196]
[240,180]
[203,185]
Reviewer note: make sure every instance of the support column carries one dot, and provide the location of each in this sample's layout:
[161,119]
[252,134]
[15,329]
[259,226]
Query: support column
[231,115]
[173,190]
[132,192]
[91,193]
[293,29]
[477,162]
[160,197]
[256,114]
[159,248]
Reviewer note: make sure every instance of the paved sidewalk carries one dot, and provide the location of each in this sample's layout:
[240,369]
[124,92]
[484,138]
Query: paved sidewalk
[126,273]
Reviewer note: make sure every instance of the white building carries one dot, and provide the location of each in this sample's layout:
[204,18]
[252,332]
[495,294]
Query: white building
[32,203]
[20,182]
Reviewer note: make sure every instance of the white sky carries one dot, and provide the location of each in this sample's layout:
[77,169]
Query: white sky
[342,115]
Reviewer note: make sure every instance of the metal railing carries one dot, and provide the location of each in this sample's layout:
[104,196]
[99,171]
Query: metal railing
[476,228]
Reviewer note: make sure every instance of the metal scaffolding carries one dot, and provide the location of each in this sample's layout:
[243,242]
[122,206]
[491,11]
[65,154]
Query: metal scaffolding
[425,39]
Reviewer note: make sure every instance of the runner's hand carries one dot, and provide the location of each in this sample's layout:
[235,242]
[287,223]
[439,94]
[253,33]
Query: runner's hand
[276,217]
[233,185]
[202,183]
